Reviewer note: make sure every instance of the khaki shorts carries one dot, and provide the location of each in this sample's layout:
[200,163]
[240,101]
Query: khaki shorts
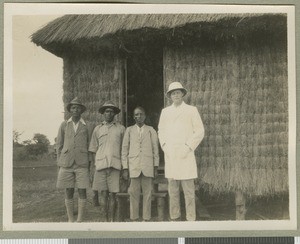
[107,179]
[68,177]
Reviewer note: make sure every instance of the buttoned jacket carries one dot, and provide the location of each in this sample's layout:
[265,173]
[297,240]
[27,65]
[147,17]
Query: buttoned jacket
[140,153]
[106,142]
[180,130]
[73,146]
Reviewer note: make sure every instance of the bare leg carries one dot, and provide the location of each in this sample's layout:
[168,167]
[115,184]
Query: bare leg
[103,206]
[111,207]
[96,198]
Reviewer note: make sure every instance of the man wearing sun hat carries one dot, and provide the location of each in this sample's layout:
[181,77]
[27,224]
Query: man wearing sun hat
[106,145]
[180,131]
[73,158]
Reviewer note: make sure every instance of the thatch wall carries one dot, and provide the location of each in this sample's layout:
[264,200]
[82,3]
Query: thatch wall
[94,80]
[241,92]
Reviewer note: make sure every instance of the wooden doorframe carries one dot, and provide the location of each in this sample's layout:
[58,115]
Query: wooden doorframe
[124,94]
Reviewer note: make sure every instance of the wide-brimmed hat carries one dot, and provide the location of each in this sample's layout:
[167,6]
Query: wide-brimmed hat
[76,101]
[175,86]
[109,104]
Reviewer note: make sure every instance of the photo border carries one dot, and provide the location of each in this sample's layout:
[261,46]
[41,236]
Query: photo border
[7,179]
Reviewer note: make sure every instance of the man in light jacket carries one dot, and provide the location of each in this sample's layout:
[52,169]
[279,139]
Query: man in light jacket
[73,158]
[105,145]
[140,155]
[180,131]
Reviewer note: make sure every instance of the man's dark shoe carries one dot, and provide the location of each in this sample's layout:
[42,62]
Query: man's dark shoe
[174,220]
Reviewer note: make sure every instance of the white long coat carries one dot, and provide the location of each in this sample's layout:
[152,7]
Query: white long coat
[180,127]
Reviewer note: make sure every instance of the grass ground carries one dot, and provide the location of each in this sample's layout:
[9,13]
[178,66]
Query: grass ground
[36,199]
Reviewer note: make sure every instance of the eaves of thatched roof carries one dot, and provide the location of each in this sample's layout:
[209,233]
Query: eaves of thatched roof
[71,29]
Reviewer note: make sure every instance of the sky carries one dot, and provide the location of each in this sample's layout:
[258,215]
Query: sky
[37,81]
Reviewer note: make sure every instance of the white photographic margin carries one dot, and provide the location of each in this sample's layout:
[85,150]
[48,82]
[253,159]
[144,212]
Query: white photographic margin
[11,9]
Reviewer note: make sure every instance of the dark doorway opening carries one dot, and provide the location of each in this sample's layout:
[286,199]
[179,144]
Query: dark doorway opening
[144,84]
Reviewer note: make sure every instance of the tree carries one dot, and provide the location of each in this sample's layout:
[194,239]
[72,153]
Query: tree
[41,139]
[16,138]
[27,142]
[19,150]
[39,145]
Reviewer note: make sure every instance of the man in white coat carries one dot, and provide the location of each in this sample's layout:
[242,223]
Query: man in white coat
[180,130]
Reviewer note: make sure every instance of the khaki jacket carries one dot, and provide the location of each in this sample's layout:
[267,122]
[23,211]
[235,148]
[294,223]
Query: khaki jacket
[73,147]
[140,154]
[106,142]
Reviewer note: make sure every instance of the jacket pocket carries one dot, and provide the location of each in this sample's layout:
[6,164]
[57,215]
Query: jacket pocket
[65,150]
[118,157]
[133,155]
[101,163]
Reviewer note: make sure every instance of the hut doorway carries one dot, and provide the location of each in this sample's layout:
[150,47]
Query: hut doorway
[144,84]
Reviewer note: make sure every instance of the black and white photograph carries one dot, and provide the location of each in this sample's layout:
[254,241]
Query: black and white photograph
[161,117]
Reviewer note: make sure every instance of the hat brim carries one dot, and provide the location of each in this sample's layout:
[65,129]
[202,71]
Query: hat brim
[70,104]
[102,109]
[168,94]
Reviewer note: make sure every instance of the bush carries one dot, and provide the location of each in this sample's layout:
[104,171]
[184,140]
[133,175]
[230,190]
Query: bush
[39,146]
[34,149]
[20,153]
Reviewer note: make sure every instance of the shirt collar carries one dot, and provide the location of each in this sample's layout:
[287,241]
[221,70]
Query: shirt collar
[180,106]
[140,127]
[81,120]
[105,123]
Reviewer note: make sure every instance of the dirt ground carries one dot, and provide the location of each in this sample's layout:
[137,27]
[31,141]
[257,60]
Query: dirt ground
[36,199]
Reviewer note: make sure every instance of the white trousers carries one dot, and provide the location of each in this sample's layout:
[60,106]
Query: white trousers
[188,187]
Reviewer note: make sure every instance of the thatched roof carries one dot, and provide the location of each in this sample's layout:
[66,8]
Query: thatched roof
[71,30]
